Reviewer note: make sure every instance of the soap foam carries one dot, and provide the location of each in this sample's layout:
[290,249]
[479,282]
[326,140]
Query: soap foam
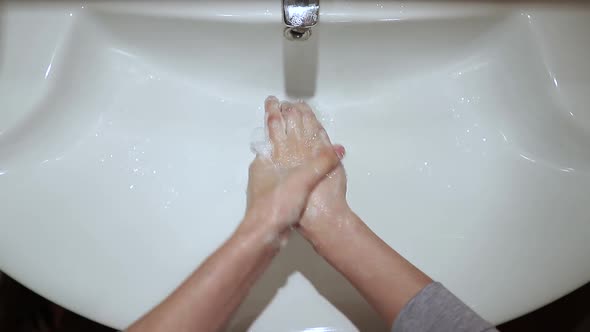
[260,143]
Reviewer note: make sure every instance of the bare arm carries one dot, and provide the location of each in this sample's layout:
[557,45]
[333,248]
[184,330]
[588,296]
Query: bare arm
[278,188]
[404,296]
[207,299]
[382,276]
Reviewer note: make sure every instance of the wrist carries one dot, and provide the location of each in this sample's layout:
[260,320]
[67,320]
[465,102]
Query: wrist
[331,231]
[258,231]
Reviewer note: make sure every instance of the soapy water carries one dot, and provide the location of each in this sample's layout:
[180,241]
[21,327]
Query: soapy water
[261,146]
[260,142]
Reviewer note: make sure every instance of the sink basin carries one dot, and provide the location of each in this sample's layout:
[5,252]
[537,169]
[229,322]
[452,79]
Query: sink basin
[125,132]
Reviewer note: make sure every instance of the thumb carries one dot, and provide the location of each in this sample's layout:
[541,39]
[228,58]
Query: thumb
[308,175]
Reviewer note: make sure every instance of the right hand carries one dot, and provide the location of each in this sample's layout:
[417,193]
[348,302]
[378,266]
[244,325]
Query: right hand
[326,208]
[279,185]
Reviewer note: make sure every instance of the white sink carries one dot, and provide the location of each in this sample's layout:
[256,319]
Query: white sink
[125,131]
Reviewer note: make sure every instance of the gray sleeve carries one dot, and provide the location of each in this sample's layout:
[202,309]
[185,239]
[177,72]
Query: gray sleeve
[436,309]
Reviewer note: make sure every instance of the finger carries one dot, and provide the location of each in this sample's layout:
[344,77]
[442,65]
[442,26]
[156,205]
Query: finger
[305,109]
[294,120]
[310,121]
[340,150]
[274,120]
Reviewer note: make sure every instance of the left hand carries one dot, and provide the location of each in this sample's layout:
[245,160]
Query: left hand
[280,184]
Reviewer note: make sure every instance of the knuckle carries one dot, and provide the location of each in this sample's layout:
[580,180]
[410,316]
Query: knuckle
[273,117]
[303,106]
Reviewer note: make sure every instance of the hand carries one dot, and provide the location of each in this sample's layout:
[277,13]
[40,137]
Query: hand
[326,208]
[280,184]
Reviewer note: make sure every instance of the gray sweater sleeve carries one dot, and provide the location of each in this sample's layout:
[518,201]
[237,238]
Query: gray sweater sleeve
[436,309]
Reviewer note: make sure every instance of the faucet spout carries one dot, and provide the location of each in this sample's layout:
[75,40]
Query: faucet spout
[301,14]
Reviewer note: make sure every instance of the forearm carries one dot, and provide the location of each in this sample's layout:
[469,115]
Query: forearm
[208,298]
[384,277]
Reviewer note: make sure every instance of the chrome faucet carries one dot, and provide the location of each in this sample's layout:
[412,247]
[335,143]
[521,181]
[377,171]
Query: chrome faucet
[300,16]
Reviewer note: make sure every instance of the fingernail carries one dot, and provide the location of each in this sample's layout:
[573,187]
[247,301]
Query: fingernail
[285,106]
[340,152]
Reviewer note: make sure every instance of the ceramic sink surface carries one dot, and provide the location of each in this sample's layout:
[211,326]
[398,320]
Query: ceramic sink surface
[125,130]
